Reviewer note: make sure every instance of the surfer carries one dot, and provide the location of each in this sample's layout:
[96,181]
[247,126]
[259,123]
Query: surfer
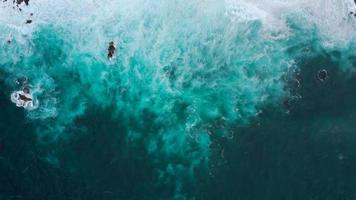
[111,50]
[323,75]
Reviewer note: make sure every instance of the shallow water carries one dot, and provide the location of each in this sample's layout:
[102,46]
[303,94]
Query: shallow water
[201,100]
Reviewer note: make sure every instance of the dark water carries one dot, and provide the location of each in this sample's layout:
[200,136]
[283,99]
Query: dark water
[306,154]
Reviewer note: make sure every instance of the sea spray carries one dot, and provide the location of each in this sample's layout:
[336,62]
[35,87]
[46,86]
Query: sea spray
[183,71]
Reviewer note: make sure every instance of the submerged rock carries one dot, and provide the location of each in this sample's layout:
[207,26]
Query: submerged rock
[323,75]
[23,98]
[22,80]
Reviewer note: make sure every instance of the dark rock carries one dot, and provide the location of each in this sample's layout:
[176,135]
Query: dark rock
[26,90]
[323,75]
[20,2]
[29,21]
[24,98]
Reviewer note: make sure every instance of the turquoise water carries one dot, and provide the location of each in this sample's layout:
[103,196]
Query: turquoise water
[200,102]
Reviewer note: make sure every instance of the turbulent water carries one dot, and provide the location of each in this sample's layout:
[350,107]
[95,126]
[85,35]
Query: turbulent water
[203,99]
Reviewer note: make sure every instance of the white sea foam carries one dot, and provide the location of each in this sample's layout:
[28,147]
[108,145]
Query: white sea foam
[195,67]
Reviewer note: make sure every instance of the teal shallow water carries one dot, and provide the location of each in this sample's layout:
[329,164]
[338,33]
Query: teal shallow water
[192,107]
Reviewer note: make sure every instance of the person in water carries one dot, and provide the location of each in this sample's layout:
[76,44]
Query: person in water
[111,50]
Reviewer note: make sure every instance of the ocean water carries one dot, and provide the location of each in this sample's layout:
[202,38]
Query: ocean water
[203,100]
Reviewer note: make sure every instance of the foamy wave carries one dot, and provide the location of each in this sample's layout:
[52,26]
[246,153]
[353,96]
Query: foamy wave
[192,69]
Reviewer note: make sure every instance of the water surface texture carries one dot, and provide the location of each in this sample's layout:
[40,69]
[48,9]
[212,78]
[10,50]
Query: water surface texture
[203,99]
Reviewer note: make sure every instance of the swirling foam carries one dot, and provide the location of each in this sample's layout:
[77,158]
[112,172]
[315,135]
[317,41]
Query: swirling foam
[195,68]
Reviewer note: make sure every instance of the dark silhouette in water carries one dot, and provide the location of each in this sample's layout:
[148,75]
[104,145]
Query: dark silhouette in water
[29,21]
[352,13]
[323,75]
[24,98]
[25,90]
[22,80]
[111,50]
[20,2]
